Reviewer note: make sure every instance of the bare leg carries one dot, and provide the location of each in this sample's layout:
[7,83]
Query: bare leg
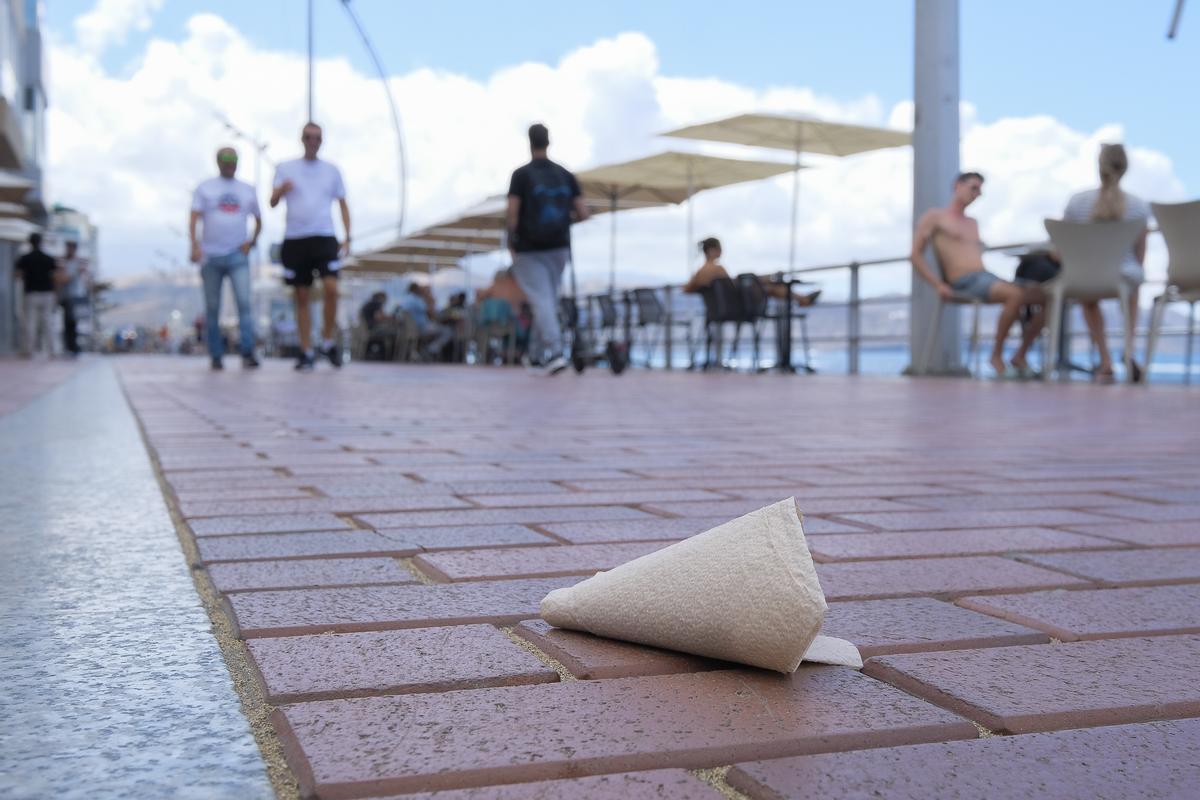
[1012,297]
[329,308]
[1095,323]
[303,318]
[1033,296]
[1129,331]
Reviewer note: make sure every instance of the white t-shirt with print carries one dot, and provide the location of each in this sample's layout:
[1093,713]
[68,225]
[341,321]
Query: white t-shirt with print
[1079,209]
[315,185]
[225,204]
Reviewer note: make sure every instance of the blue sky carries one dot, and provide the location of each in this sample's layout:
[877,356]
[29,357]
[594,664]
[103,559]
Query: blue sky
[1087,63]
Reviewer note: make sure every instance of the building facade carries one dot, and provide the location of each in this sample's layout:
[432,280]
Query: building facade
[22,147]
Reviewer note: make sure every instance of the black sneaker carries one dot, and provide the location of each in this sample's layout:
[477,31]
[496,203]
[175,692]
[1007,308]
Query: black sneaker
[249,361]
[334,354]
[305,363]
[216,365]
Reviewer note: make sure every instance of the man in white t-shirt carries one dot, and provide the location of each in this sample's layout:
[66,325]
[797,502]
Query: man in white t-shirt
[221,207]
[310,246]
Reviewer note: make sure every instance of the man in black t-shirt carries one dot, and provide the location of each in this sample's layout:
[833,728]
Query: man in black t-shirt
[543,200]
[37,271]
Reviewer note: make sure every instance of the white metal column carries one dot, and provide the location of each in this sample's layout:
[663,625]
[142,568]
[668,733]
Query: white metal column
[935,163]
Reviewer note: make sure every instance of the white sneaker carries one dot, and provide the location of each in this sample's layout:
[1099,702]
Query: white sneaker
[557,365]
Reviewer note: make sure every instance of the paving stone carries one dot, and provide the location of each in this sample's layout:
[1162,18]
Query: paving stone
[1127,567]
[528,733]
[370,487]
[537,562]
[315,505]
[627,497]
[317,544]
[298,668]
[276,492]
[497,516]
[722,484]
[309,573]
[676,784]
[1101,613]
[1149,760]
[941,520]
[1153,534]
[458,536]
[919,624]
[1048,687]
[978,541]
[1001,502]
[823,494]
[657,528]
[303,611]
[863,580]
[735,508]
[1147,512]
[278,523]
[592,657]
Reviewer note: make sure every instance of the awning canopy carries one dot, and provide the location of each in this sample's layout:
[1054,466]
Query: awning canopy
[13,188]
[795,134]
[376,263]
[672,177]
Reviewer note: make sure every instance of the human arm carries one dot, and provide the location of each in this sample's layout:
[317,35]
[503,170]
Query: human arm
[345,208]
[582,212]
[193,223]
[1139,247]
[511,216]
[248,245]
[926,227]
[282,186]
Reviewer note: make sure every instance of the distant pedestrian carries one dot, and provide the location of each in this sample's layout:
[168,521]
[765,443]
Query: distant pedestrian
[543,200]
[72,294]
[38,273]
[222,205]
[310,186]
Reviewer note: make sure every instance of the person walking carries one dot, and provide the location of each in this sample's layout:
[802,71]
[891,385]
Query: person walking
[71,294]
[221,206]
[310,247]
[38,273]
[543,200]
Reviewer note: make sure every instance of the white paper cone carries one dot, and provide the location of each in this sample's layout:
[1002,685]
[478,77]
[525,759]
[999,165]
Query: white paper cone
[745,591]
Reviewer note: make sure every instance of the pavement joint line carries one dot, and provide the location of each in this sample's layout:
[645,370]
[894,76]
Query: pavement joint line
[245,683]
[564,675]
[984,733]
[538,528]
[716,778]
[417,572]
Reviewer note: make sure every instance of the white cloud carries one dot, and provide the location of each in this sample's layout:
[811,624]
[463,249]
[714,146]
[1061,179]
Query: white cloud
[110,21]
[129,148]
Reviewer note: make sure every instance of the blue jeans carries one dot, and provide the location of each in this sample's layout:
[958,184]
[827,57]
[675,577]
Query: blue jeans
[236,267]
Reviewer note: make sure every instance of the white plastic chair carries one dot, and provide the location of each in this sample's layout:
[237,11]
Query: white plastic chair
[1091,254]
[974,353]
[1180,226]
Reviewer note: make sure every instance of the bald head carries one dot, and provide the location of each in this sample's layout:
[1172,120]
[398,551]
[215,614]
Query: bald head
[227,161]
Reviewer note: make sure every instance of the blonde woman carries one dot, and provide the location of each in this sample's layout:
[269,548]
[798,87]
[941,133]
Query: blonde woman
[1111,203]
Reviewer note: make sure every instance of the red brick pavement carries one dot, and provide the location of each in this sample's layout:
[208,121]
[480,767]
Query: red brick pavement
[383,536]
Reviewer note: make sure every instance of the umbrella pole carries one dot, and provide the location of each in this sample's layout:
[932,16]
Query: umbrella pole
[612,244]
[795,205]
[690,235]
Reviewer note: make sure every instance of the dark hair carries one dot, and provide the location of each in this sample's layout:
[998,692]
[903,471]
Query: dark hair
[711,243]
[414,287]
[966,176]
[380,296]
[539,137]
[35,239]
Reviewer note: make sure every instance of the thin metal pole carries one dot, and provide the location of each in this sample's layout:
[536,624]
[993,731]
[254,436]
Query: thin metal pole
[690,236]
[1175,19]
[1187,366]
[310,60]
[854,322]
[795,196]
[612,243]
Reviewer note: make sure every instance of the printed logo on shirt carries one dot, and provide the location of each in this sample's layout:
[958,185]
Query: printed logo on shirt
[229,203]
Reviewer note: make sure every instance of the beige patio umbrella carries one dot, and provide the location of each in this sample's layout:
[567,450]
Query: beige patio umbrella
[13,188]
[670,178]
[799,135]
[375,263]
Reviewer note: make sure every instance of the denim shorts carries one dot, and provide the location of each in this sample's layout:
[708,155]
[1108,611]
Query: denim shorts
[975,285]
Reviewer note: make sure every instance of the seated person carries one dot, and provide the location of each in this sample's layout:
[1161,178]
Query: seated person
[711,270]
[959,251]
[504,287]
[454,318]
[1110,203]
[373,318]
[418,303]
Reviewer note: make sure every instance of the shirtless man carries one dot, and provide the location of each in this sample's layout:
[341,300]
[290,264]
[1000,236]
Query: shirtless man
[959,251]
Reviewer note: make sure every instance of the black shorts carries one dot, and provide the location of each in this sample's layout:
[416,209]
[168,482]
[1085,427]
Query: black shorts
[311,254]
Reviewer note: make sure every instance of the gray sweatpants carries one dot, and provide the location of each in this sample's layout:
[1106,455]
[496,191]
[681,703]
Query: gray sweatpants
[539,274]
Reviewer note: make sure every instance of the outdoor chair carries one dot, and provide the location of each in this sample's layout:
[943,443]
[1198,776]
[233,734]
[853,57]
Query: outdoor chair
[494,321]
[1091,254]
[757,305]
[1180,226]
[358,342]
[651,314]
[406,341]
[722,304]
[974,352]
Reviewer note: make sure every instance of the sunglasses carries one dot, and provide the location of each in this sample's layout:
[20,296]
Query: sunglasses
[227,159]
[310,137]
